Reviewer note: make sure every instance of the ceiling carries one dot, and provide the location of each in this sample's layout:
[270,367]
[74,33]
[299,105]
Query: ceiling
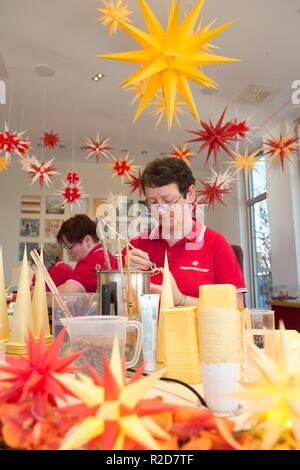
[66,35]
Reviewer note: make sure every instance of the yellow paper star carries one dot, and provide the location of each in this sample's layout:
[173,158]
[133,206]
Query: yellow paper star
[4,164]
[182,153]
[169,59]
[245,161]
[138,89]
[159,109]
[113,13]
[273,398]
[116,419]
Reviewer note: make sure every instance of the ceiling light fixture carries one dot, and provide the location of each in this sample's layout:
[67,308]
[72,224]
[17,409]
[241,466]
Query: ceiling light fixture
[99,76]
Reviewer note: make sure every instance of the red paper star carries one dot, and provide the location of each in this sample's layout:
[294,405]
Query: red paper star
[212,193]
[50,139]
[284,147]
[136,183]
[72,177]
[182,153]
[13,142]
[97,148]
[71,194]
[215,138]
[42,171]
[34,377]
[239,129]
[122,167]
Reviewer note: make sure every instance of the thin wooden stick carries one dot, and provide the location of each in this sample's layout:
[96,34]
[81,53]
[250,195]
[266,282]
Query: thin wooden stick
[130,306]
[105,252]
[49,281]
[124,296]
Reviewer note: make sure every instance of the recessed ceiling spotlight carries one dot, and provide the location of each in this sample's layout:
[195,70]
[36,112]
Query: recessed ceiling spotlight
[99,76]
[44,70]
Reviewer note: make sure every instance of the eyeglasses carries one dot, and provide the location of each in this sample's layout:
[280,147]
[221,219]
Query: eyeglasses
[66,247]
[165,206]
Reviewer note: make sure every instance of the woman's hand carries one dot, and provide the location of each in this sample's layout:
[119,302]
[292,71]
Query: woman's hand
[138,259]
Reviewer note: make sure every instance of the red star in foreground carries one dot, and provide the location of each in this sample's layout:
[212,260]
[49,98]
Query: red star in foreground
[50,139]
[212,193]
[215,138]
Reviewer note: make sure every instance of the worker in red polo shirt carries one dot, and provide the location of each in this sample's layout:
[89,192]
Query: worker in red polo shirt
[197,255]
[59,271]
[78,236]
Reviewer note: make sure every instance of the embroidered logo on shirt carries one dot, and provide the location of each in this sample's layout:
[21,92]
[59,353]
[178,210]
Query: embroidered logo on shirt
[195,263]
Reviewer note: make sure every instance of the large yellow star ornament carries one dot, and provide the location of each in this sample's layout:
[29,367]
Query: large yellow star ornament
[170,58]
[273,398]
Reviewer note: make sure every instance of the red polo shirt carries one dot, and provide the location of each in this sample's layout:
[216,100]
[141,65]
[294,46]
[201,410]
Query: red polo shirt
[202,257]
[84,273]
[60,272]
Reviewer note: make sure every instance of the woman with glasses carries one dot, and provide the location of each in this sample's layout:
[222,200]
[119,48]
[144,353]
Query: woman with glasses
[197,255]
[78,236]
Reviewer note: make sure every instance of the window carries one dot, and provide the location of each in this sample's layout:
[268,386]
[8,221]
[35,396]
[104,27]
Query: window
[260,234]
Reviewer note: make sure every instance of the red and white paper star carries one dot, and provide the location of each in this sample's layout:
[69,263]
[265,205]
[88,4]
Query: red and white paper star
[97,148]
[122,167]
[42,172]
[13,142]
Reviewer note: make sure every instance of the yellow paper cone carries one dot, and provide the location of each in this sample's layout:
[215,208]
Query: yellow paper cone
[166,301]
[4,326]
[23,310]
[40,306]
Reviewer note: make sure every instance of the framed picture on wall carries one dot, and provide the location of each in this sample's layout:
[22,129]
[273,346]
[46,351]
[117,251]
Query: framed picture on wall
[52,226]
[29,227]
[30,246]
[53,205]
[30,205]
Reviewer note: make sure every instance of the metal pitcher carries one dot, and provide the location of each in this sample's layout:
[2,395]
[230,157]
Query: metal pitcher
[114,296]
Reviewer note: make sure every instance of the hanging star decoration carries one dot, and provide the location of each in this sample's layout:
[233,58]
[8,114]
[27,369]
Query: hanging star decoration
[215,138]
[239,129]
[113,13]
[158,108]
[13,142]
[135,182]
[245,162]
[50,139]
[170,58]
[182,153]
[122,167]
[4,164]
[26,162]
[212,193]
[97,148]
[138,89]
[72,191]
[42,172]
[283,148]
[226,178]
[122,420]
[271,400]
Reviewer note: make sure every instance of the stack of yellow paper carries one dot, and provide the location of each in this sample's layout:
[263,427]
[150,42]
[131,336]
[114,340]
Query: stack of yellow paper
[181,344]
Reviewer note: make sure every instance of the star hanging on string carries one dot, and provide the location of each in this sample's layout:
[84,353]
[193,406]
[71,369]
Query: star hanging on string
[26,162]
[182,153]
[50,139]
[97,148]
[169,59]
[72,193]
[36,377]
[215,138]
[239,129]
[271,400]
[12,142]
[4,164]
[136,183]
[158,108]
[72,177]
[41,171]
[226,178]
[123,419]
[212,193]
[283,148]
[245,161]
[122,167]
[113,13]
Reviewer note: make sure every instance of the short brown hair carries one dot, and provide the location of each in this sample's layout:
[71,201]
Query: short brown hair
[76,228]
[163,171]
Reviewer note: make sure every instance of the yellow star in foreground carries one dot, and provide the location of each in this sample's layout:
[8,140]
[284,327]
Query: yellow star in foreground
[117,417]
[245,161]
[113,13]
[273,399]
[171,57]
